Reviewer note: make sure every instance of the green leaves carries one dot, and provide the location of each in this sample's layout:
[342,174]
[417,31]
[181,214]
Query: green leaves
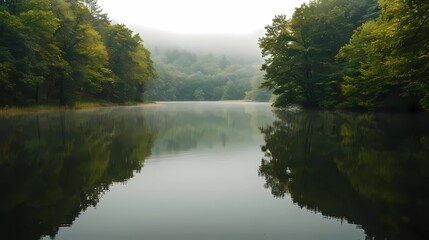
[188,76]
[300,53]
[130,63]
[384,65]
[54,49]
[27,29]
[388,58]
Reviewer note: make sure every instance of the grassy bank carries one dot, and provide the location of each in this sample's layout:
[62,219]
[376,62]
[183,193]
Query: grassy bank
[76,106]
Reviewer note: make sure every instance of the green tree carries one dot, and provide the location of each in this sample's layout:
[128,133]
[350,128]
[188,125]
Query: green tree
[257,93]
[27,49]
[82,49]
[300,52]
[391,69]
[130,63]
[56,49]
[185,75]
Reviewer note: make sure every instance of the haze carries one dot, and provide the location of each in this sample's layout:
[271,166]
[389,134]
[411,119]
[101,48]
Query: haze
[199,17]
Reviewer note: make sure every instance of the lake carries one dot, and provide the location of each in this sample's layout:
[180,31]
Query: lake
[210,171]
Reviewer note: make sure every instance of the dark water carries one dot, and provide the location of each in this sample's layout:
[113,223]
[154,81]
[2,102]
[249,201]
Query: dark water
[213,171]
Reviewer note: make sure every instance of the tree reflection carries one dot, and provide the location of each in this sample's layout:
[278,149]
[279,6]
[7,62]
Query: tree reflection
[208,125]
[369,169]
[54,166]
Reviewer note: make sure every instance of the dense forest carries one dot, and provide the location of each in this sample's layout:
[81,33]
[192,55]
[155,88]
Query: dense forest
[354,54]
[350,54]
[188,76]
[63,51]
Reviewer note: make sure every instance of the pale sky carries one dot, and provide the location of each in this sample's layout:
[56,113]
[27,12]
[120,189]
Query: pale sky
[199,16]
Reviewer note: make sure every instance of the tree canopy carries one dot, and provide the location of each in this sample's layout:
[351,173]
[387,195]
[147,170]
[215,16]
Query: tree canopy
[353,54]
[387,59]
[190,76]
[65,51]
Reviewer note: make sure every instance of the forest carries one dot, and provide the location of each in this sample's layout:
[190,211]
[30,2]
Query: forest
[186,75]
[347,54]
[352,54]
[64,51]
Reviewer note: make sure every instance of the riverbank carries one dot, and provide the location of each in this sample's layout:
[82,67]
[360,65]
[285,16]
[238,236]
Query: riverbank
[77,106]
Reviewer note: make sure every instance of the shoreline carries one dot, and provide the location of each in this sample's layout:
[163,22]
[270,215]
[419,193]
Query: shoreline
[50,108]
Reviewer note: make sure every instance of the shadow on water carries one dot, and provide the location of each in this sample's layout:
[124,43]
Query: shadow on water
[54,166]
[368,169]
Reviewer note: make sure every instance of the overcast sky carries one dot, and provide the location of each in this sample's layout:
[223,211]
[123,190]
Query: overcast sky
[198,16]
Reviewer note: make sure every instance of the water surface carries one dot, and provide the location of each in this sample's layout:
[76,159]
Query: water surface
[213,171]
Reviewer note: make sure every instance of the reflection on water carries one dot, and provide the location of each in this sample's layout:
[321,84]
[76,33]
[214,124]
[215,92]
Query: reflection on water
[368,169]
[200,177]
[56,165]
[53,166]
[186,126]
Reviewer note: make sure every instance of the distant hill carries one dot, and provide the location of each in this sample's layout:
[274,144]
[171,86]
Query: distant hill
[204,67]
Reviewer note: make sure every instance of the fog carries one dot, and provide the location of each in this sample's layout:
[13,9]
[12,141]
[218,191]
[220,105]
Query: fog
[196,16]
[220,27]
[232,45]
[204,67]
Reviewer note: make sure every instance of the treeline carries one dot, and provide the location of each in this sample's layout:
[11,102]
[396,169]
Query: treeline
[63,51]
[350,54]
[188,76]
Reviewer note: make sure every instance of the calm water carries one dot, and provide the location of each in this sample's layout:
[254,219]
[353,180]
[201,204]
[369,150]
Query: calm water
[213,171]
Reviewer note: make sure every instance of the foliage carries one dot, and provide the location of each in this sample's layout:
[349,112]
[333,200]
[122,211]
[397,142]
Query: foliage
[388,58]
[129,62]
[257,93]
[59,49]
[27,48]
[300,52]
[381,52]
[185,76]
